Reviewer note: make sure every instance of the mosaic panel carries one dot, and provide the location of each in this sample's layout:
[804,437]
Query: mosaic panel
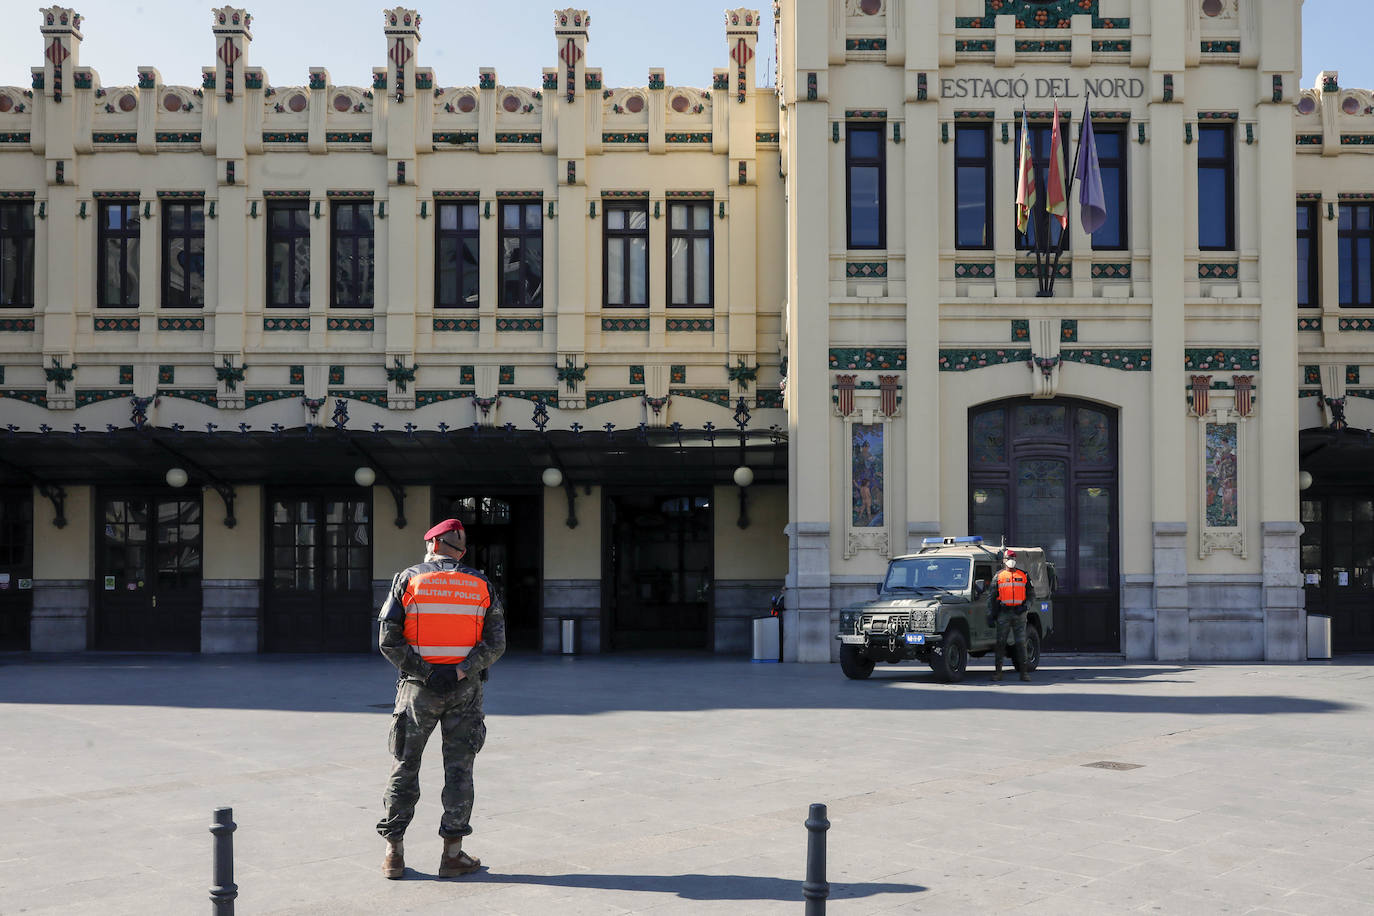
[677,374]
[16,325]
[1221,508]
[40,398]
[1129,359]
[547,396]
[1068,330]
[455,324]
[425,398]
[719,396]
[1355,324]
[978,269]
[865,269]
[955,360]
[690,324]
[1020,330]
[116,324]
[1026,270]
[1309,324]
[636,375]
[286,324]
[624,324]
[866,475]
[1112,270]
[597,398]
[519,324]
[1221,358]
[867,357]
[200,395]
[351,324]
[865,44]
[1222,271]
[768,399]
[181,324]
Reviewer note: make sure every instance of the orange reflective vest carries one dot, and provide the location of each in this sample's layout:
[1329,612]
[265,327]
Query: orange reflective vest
[444,614]
[1011,587]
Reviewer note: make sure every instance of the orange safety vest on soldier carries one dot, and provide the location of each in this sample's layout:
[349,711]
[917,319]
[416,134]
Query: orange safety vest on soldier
[1011,587]
[445,609]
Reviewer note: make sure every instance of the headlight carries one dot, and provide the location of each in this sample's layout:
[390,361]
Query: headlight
[847,620]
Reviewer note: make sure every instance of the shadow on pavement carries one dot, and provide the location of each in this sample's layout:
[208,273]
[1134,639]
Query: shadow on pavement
[693,887]
[535,685]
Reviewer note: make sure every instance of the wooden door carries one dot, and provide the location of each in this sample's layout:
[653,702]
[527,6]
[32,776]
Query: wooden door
[319,577]
[16,567]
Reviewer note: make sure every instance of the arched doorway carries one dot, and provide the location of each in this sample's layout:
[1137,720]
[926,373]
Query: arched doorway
[1044,473]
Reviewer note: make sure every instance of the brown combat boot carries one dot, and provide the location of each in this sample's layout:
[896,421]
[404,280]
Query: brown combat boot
[394,863]
[1025,675]
[997,675]
[455,862]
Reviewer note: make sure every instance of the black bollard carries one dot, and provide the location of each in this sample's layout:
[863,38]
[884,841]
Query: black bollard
[815,888]
[224,890]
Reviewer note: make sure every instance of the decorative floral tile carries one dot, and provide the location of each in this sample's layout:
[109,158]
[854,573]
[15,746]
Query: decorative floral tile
[1220,358]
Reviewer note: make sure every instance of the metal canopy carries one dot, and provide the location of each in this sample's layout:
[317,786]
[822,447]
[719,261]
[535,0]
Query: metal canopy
[486,458]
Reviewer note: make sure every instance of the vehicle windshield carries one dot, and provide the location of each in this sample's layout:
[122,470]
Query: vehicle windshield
[949,574]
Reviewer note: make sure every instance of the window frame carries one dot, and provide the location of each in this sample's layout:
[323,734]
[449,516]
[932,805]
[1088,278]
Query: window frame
[293,237]
[1039,215]
[607,234]
[187,236]
[1121,211]
[852,162]
[458,236]
[1354,234]
[124,236]
[691,235]
[524,208]
[25,242]
[985,162]
[1313,239]
[339,239]
[1227,163]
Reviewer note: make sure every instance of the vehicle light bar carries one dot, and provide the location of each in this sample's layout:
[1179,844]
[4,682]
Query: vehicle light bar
[966,539]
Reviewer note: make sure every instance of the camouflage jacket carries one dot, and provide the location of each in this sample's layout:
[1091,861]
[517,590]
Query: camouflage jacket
[392,640]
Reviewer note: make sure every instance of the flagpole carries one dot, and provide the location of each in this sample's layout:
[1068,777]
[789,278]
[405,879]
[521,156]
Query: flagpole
[1068,197]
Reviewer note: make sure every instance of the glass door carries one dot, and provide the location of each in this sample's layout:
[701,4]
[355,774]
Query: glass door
[148,583]
[319,577]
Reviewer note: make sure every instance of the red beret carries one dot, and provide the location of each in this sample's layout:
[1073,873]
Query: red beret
[443,528]
[1010,553]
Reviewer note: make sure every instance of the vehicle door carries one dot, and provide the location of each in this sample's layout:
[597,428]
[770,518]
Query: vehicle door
[983,632]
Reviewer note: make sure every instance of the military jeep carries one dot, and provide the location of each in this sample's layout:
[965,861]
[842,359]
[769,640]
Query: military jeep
[932,606]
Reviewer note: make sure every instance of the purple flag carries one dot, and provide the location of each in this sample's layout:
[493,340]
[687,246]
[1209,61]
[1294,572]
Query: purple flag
[1092,203]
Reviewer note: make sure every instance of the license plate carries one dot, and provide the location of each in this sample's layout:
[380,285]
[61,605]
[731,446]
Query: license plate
[915,639]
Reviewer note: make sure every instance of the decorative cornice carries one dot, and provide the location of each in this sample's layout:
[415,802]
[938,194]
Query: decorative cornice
[456,195]
[285,195]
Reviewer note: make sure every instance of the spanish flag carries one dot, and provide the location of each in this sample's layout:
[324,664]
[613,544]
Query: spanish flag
[1056,200]
[1025,177]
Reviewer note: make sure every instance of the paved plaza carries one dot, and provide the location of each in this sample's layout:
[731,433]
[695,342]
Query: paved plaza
[679,784]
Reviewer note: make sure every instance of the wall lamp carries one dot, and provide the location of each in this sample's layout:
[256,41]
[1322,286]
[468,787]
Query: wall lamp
[177,477]
[552,478]
[743,476]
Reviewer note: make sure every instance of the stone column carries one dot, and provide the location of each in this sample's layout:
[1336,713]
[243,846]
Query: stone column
[806,625]
[1169,228]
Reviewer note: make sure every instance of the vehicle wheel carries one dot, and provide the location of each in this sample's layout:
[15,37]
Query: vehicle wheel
[953,658]
[1032,659]
[855,665]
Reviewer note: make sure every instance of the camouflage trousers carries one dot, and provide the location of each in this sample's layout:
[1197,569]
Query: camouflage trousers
[458,713]
[1011,621]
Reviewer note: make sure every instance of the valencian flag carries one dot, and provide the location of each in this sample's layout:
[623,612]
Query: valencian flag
[1092,203]
[1025,178]
[1056,200]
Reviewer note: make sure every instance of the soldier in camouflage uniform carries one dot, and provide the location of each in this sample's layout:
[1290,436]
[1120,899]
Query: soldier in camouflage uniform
[442,626]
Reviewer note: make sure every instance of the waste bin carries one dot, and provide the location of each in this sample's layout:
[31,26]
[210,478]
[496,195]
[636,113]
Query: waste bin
[767,639]
[567,628]
[1318,636]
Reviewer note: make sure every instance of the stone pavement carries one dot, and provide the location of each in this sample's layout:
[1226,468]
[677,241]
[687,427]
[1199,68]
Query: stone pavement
[678,784]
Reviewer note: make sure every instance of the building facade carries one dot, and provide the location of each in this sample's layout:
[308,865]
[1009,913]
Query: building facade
[206,451]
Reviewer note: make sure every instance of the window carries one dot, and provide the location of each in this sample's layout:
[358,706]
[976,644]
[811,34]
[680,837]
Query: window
[16,255]
[1111,160]
[288,254]
[626,261]
[1355,236]
[972,185]
[1308,284]
[522,255]
[689,254]
[353,255]
[456,240]
[1040,221]
[118,268]
[183,255]
[865,186]
[1216,188]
